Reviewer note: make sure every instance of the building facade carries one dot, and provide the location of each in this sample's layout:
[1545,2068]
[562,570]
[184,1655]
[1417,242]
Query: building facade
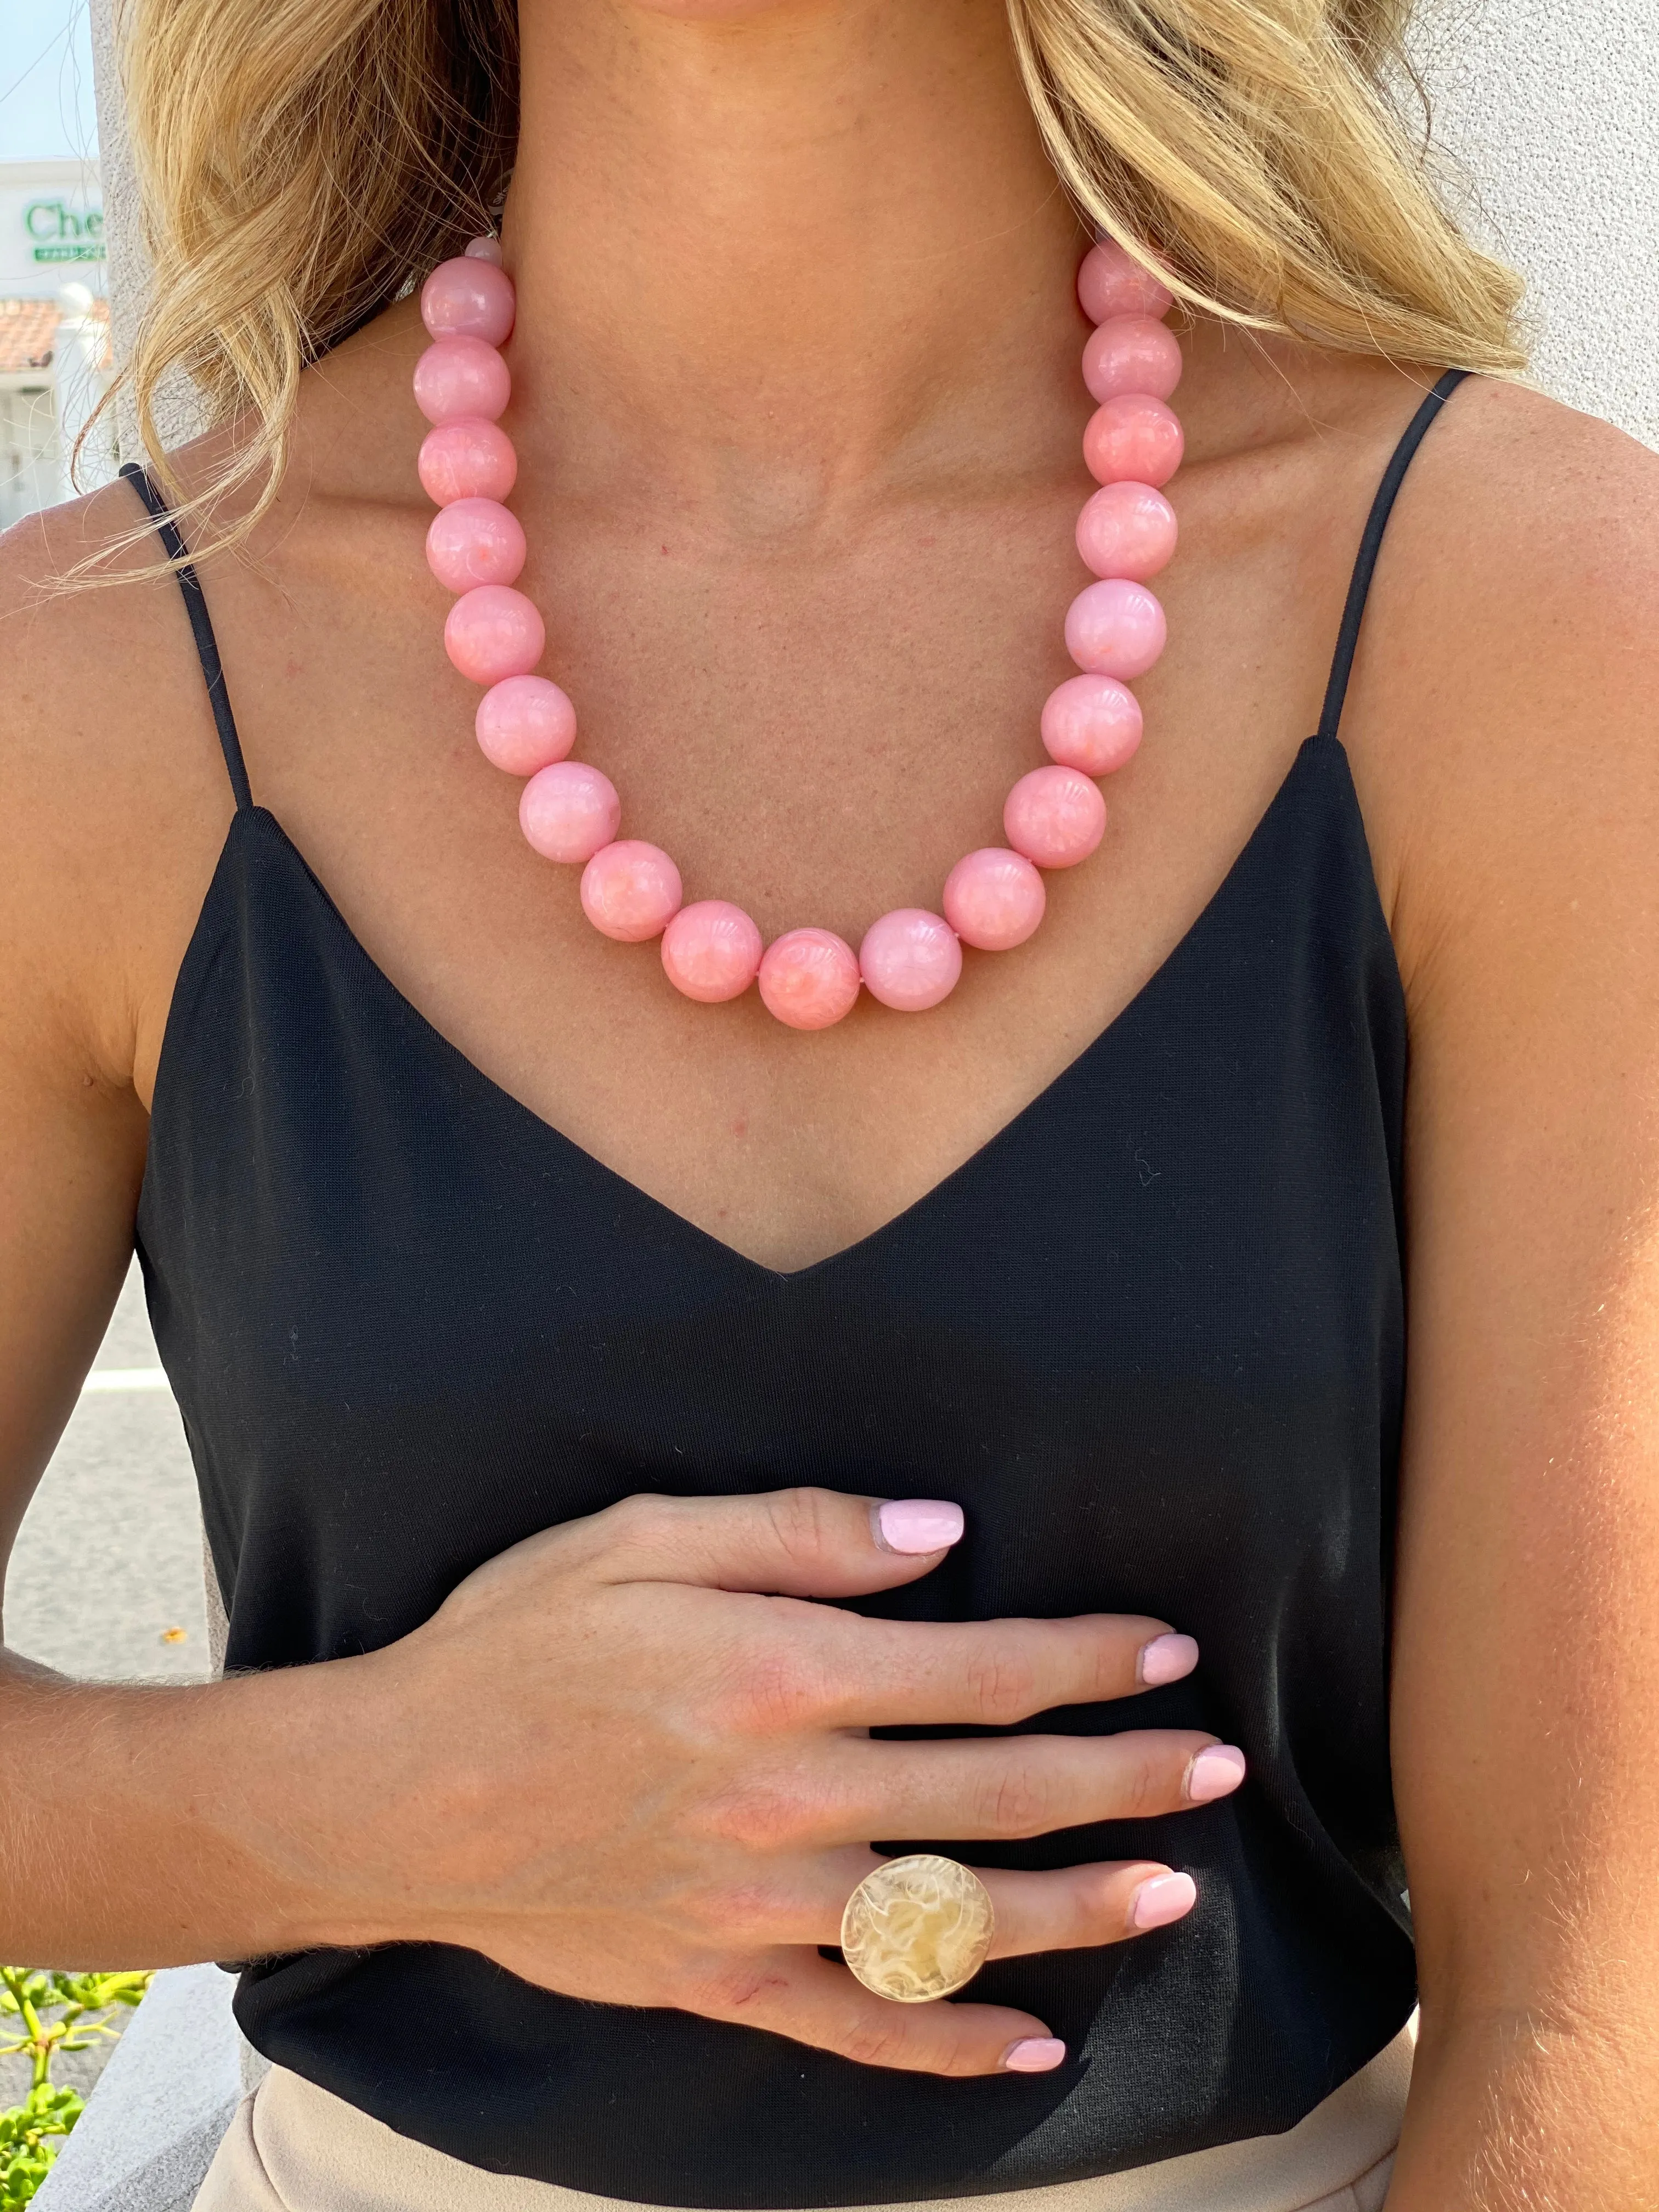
[54,329]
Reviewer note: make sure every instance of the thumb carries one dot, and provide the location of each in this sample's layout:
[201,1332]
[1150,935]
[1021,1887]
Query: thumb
[784,1543]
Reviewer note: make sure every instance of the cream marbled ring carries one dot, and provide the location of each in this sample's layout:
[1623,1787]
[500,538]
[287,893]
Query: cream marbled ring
[918,1929]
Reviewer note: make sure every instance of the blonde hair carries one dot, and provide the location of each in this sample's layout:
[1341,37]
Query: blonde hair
[301,162]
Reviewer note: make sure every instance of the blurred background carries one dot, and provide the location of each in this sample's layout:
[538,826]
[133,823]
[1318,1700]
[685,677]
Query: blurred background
[105,1579]
[55,360]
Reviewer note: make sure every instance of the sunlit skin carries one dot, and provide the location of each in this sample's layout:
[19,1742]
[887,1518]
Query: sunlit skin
[797,404]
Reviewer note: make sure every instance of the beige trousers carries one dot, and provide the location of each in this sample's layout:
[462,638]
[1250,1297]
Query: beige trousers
[293,2148]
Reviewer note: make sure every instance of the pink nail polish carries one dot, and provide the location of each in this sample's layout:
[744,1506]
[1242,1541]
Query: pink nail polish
[1214,1772]
[1033,2054]
[1166,1659]
[919,1524]
[1162,1898]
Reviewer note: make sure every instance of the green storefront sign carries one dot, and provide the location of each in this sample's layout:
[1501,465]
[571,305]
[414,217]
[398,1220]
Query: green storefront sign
[57,232]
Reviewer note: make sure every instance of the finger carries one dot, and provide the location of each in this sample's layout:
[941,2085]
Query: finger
[883,1674]
[796,1993]
[1070,1908]
[791,1543]
[1012,1787]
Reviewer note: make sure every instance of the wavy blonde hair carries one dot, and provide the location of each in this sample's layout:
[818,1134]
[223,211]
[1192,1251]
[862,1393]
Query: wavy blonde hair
[302,161]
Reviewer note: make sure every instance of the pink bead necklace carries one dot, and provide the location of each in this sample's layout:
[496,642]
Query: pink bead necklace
[1054,816]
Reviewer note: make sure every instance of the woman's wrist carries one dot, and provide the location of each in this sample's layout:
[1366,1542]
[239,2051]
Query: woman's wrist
[217,1819]
[1530,2106]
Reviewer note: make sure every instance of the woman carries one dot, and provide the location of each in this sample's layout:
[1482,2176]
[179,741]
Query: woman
[663,1461]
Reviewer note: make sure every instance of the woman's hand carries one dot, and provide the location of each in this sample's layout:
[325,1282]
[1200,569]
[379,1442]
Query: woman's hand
[632,1765]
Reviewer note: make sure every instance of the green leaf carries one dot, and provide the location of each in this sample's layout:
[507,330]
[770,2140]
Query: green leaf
[30,2134]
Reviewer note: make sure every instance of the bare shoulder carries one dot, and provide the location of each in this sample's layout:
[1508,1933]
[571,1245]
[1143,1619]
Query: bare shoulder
[108,800]
[1505,732]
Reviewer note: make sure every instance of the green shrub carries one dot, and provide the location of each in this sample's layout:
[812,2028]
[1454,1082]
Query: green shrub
[54,2013]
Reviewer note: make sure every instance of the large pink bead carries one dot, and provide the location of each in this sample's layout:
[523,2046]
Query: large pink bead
[910,959]
[494,632]
[1110,283]
[1133,439]
[711,951]
[468,298]
[1091,723]
[631,891]
[461,376]
[1131,353]
[1054,817]
[525,723]
[479,541]
[485,249]
[1114,628]
[809,978]
[569,812]
[993,899]
[1124,530]
[468,459]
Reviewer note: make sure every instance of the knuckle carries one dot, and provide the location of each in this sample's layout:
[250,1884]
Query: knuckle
[641,1520]
[870,2041]
[762,1812]
[774,1687]
[1147,1784]
[725,1913]
[1003,1681]
[1017,1801]
[802,1523]
[726,1988]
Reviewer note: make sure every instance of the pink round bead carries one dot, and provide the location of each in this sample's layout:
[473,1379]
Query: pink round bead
[993,899]
[1091,723]
[468,459]
[631,891]
[457,377]
[1131,353]
[1111,283]
[1054,817]
[525,723]
[809,978]
[568,811]
[1124,530]
[492,632]
[478,541]
[1133,439]
[1114,628]
[468,298]
[485,249]
[711,951]
[910,959]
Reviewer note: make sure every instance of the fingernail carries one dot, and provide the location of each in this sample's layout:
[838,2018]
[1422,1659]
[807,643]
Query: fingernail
[1166,1659]
[919,1524]
[1214,1772]
[1162,1899]
[1033,2054]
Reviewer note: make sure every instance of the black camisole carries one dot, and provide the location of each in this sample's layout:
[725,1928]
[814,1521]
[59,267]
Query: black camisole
[409,1324]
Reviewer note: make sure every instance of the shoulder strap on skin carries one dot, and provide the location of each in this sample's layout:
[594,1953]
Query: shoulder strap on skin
[207,646]
[1336,690]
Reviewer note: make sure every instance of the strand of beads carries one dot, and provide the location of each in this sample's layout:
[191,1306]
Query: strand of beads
[1054,817]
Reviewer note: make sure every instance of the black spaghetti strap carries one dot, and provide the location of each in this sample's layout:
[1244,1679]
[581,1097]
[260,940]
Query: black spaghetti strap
[207,646]
[1336,690]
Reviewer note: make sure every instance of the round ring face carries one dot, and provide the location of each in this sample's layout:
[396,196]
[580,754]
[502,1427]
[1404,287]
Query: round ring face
[918,1928]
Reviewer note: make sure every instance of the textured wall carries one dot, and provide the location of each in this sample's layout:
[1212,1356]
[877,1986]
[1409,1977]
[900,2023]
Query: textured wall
[1549,109]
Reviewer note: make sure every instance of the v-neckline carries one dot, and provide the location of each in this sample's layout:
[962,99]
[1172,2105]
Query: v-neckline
[681,1223]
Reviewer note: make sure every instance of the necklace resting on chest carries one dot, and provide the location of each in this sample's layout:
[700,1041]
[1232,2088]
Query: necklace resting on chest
[569,811]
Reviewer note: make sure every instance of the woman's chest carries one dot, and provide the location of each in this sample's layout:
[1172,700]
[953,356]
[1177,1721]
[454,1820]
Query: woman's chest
[1159,1313]
[820,748]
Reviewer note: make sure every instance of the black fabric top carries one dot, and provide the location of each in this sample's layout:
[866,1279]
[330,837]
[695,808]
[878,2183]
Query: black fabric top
[1150,1337]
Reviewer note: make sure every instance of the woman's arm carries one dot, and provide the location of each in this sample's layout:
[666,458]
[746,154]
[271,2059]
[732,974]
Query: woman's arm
[1527,1661]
